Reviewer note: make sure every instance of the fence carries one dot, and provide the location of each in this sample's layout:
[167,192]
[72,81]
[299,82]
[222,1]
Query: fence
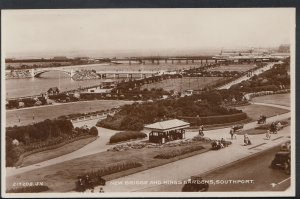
[93,116]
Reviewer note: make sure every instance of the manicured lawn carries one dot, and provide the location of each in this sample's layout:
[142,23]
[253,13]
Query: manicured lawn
[54,111]
[182,84]
[49,154]
[280,99]
[254,111]
[61,177]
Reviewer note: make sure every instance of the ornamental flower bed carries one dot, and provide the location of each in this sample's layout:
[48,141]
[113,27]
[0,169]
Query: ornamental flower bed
[114,168]
[178,152]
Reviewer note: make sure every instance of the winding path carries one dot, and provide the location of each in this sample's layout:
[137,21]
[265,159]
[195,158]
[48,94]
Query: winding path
[100,145]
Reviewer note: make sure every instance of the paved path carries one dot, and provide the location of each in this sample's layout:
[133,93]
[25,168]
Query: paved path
[245,77]
[100,144]
[195,165]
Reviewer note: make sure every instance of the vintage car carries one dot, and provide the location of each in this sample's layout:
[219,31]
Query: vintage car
[282,160]
[195,184]
[86,182]
[262,119]
[238,127]
[286,146]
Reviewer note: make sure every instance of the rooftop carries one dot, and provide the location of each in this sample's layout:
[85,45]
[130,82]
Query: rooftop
[168,125]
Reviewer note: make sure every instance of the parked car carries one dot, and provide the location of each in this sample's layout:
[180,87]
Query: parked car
[195,184]
[282,160]
[238,127]
[262,119]
[286,146]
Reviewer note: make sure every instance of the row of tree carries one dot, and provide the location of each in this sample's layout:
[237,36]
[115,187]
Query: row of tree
[271,80]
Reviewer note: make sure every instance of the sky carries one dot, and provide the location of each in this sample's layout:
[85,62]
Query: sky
[108,31]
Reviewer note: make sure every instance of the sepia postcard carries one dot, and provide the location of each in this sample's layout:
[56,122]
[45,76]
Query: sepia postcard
[148,102]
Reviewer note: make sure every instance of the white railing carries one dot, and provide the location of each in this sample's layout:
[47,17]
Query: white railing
[92,117]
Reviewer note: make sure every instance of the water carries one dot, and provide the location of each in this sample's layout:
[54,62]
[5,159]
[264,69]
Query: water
[34,86]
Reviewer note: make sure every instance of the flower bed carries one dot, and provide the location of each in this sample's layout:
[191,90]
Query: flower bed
[178,152]
[127,135]
[219,119]
[114,168]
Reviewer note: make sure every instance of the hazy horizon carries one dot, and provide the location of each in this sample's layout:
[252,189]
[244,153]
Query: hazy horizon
[141,32]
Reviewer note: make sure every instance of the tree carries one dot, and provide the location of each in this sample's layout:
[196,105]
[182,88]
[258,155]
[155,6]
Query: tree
[93,131]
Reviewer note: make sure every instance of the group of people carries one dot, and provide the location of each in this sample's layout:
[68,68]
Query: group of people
[274,128]
[85,182]
[219,144]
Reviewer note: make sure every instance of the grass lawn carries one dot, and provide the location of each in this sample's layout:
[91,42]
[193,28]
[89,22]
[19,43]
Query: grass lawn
[182,84]
[53,153]
[254,111]
[235,67]
[54,111]
[280,99]
[61,177]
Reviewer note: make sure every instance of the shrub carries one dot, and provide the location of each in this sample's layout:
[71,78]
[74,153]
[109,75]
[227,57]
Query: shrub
[178,152]
[93,131]
[127,135]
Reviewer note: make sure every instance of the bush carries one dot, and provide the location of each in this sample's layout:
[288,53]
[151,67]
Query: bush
[178,152]
[124,136]
[93,131]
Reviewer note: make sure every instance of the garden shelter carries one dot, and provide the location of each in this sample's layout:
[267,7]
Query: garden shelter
[165,131]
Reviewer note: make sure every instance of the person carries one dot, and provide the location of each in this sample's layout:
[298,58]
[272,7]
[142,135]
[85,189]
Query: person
[231,133]
[273,128]
[246,139]
[223,143]
[278,126]
[101,190]
[268,135]
[201,130]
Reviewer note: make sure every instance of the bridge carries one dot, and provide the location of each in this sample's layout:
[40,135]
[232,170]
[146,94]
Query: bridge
[102,73]
[38,72]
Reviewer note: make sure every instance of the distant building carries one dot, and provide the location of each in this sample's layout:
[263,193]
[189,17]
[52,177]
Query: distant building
[187,93]
[285,48]
[53,91]
[98,90]
[60,58]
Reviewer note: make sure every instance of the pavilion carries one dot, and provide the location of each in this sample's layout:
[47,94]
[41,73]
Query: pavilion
[165,131]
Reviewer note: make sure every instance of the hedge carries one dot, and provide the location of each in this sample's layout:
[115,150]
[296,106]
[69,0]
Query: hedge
[127,135]
[219,119]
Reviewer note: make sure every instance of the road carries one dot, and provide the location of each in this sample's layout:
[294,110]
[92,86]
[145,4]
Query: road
[99,145]
[250,169]
[245,77]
